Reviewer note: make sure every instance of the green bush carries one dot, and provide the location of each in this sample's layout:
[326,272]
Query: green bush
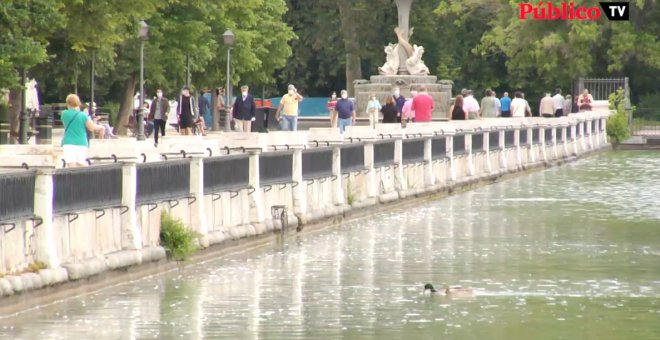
[178,240]
[617,125]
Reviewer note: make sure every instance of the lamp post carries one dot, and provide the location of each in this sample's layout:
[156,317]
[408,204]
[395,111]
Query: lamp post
[229,39]
[143,33]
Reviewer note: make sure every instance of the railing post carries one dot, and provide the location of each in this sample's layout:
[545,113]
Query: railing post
[531,158]
[502,145]
[372,186]
[256,199]
[400,182]
[300,191]
[131,236]
[544,151]
[337,189]
[516,144]
[198,216]
[44,192]
[449,144]
[574,138]
[468,151]
[429,179]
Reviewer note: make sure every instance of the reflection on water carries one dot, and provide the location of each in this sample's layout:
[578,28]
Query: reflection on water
[570,253]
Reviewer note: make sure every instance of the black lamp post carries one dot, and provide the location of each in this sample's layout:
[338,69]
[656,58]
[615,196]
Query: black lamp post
[229,40]
[143,34]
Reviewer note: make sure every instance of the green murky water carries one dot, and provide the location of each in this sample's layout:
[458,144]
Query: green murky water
[567,253]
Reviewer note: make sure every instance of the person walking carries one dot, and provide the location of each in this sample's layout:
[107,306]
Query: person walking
[345,111]
[373,107]
[505,105]
[456,110]
[547,106]
[399,100]
[528,109]
[331,109]
[205,104]
[423,106]
[290,104]
[244,110]
[407,113]
[470,105]
[390,111]
[585,100]
[518,106]
[558,101]
[76,124]
[160,107]
[187,111]
[489,107]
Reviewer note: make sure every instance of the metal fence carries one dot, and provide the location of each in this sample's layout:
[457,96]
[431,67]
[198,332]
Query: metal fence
[458,145]
[226,173]
[477,143]
[317,163]
[510,138]
[17,195]
[276,167]
[80,189]
[601,88]
[438,148]
[412,151]
[160,181]
[494,141]
[352,158]
[383,153]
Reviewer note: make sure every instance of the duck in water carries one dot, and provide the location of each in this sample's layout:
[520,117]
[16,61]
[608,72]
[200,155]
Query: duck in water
[456,291]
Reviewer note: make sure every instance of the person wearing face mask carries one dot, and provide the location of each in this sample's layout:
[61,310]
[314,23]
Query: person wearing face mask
[399,100]
[407,113]
[373,107]
[244,110]
[331,109]
[160,106]
[289,103]
[345,111]
[187,111]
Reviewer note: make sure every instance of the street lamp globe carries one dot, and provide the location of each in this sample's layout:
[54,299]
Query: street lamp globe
[143,31]
[228,37]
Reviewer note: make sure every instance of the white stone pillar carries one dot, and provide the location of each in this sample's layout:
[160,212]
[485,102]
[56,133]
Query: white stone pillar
[131,236]
[468,151]
[564,137]
[590,140]
[553,132]
[449,143]
[372,186]
[603,122]
[256,199]
[486,146]
[574,139]
[501,145]
[44,193]
[337,189]
[300,191]
[198,215]
[400,182]
[516,144]
[544,147]
[429,179]
[530,138]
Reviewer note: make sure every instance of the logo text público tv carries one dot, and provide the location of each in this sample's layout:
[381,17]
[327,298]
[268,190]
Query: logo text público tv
[571,11]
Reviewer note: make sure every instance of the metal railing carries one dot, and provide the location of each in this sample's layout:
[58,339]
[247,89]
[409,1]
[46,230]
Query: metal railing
[412,151]
[17,195]
[80,189]
[383,153]
[226,173]
[601,88]
[161,181]
[352,158]
[439,148]
[477,142]
[494,140]
[276,167]
[458,145]
[509,138]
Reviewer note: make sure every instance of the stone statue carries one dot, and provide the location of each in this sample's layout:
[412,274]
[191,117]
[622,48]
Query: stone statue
[403,58]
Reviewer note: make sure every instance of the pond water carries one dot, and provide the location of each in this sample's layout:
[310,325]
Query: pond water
[566,253]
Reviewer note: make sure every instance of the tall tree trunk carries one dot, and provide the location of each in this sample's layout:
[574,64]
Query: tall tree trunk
[351,44]
[126,106]
[14,114]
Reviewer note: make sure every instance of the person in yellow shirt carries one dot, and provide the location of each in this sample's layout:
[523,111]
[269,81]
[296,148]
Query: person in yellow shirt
[289,103]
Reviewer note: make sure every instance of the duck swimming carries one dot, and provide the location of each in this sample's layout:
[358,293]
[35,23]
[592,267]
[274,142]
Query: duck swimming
[456,291]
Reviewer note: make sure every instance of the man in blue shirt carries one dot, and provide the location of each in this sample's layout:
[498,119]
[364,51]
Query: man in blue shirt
[244,110]
[345,111]
[399,100]
[505,104]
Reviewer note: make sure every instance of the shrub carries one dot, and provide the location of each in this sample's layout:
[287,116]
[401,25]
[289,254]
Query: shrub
[617,125]
[178,240]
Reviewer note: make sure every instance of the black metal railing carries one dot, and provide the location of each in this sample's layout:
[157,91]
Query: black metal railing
[160,181]
[560,134]
[226,173]
[80,189]
[17,195]
[458,145]
[438,148]
[352,158]
[276,167]
[478,142]
[510,138]
[494,140]
[317,163]
[412,151]
[383,153]
[536,136]
[548,136]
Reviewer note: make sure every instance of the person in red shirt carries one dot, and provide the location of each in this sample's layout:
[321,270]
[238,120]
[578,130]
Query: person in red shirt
[423,106]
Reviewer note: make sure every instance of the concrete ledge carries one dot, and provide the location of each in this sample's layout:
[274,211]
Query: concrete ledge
[123,259]
[54,276]
[153,254]
[388,197]
[86,268]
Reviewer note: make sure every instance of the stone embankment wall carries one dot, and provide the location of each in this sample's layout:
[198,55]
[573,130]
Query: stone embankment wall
[86,221]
